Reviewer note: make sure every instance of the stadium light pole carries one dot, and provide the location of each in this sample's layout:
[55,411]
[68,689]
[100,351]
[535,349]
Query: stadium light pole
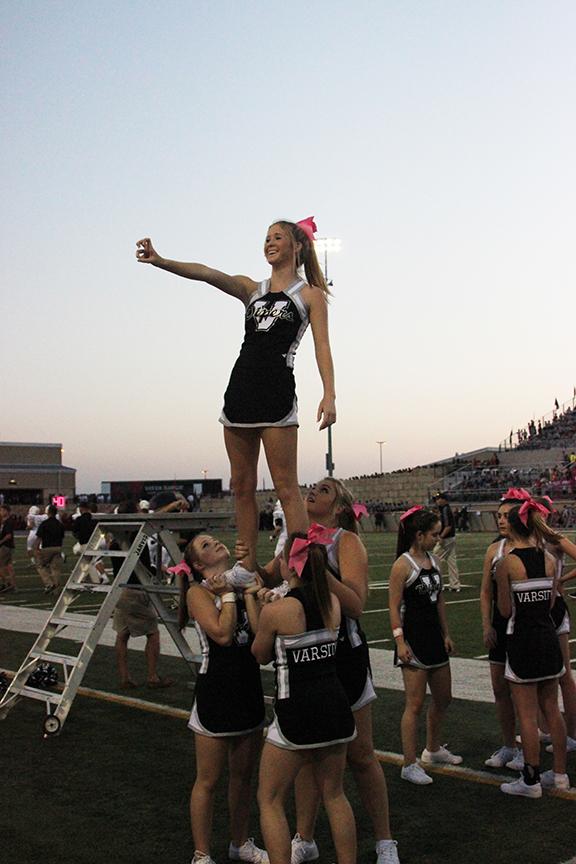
[326,245]
[380,443]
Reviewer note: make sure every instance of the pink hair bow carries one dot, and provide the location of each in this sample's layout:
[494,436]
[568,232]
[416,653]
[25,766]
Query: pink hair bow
[298,555]
[516,494]
[529,505]
[299,550]
[177,569]
[319,534]
[308,226]
[410,512]
[359,510]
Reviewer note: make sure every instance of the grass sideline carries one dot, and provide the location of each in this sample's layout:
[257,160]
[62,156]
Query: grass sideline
[116,783]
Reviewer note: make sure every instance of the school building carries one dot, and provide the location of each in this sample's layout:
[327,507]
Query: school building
[34,474]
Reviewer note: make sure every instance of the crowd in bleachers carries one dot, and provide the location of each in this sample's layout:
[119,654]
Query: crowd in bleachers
[557,482]
[559,430]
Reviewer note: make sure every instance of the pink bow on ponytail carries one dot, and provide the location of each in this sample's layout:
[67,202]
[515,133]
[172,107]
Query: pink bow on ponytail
[300,547]
[182,567]
[359,510]
[529,505]
[516,494]
[308,226]
[410,512]
[298,555]
[319,534]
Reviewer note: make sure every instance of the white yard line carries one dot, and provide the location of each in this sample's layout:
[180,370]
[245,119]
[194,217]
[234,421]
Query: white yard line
[448,603]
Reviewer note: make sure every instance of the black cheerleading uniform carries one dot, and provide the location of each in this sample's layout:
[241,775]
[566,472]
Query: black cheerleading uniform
[311,708]
[497,654]
[533,650]
[228,698]
[352,654]
[261,390]
[420,619]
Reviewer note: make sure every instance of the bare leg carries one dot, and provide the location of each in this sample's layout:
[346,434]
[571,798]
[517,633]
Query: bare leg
[152,652]
[568,687]
[281,447]
[368,774]
[243,447]
[415,690]
[329,765]
[548,701]
[278,768]
[525,698]
[440,682]
[307,797]
[210,760]
[9,578]
[122,657]
[242,760]
[504,704]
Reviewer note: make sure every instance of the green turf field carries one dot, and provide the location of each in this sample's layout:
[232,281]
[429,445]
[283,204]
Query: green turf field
[115,783]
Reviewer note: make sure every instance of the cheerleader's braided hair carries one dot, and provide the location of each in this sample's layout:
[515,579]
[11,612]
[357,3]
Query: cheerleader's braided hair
[314,574]
[306,257]
[421,520]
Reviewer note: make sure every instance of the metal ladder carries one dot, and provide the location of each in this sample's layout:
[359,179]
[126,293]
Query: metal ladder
[132,537]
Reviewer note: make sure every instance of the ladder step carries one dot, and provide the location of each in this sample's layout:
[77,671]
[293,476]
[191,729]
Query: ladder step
[105,553]
[73,621]
[88,588]
[52,657]
[34,693]
[151,589]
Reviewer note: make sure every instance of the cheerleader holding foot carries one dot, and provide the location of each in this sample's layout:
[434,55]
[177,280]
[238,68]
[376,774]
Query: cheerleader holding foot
[534,661]
[228,713]
[260,403]
[423,644]
[494,636]
[313,721]
[331,505]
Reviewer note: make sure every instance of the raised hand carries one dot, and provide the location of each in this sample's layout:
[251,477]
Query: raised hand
[145,252]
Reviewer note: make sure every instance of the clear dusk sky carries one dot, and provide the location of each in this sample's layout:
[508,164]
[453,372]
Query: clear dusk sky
[435,138]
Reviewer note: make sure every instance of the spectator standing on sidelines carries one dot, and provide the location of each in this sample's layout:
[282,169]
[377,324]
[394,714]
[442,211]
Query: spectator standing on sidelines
[445,549]
[6,549]
[49,539]
[33,519]
[83,525]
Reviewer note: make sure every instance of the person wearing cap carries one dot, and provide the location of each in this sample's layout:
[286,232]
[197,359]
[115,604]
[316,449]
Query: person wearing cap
[445,549]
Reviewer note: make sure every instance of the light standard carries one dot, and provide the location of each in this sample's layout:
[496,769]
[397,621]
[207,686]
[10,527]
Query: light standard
[380,443]
[325,245]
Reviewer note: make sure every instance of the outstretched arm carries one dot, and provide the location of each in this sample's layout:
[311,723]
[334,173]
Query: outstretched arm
[318,311]
[237,286]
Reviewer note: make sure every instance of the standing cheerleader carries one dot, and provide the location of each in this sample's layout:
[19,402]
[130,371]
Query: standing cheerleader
[228,712]
[260,402]
[534,660]
[313,721]
[330,504]
[494,634]
[559,546]
[423,644]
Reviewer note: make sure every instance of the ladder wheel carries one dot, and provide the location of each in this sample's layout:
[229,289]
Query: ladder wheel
[52,725]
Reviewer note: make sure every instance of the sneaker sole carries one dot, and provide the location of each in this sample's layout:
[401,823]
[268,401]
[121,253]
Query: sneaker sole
[520,794]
